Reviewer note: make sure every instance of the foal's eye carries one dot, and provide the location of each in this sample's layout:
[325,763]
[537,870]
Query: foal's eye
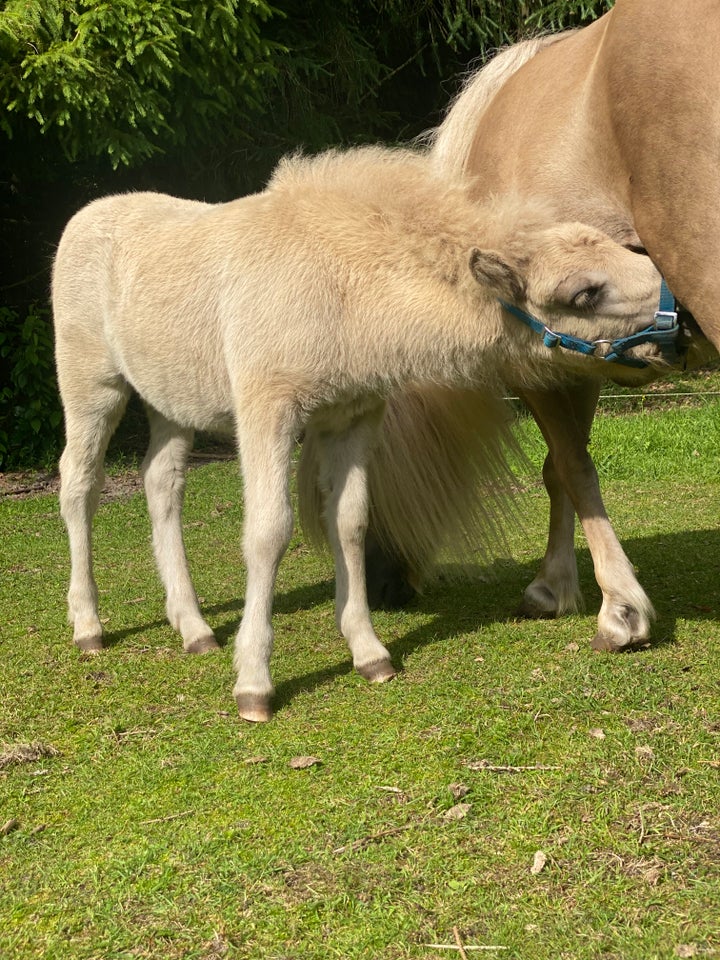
[586,298]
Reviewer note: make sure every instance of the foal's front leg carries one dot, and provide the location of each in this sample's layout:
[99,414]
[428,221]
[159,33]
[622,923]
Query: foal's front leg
[343,479]
[266,439]
[626,611]
[93,409]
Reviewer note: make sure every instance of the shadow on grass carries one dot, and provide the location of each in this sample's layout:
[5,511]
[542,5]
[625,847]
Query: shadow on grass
[677,571]
[292,601]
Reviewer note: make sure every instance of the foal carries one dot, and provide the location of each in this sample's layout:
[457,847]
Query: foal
[299,309]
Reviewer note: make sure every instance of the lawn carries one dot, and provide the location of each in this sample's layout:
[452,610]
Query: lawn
[510,794]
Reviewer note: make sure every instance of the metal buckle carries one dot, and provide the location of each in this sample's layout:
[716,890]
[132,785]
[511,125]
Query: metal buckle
[665,319]
[550,338]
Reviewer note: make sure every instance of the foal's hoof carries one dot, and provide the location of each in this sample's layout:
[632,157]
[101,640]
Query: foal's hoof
[253,707]
[203,645]
[89,645]
[379,671]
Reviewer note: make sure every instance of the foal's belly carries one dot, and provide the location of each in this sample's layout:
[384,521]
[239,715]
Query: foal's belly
[187,385]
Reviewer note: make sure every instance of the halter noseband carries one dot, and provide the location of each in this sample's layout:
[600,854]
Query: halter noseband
[663,332]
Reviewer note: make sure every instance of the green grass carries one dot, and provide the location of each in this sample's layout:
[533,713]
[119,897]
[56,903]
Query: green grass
[157,825]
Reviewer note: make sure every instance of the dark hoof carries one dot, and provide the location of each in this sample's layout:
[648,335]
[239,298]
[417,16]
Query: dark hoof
[203,645]
[379,671]
[91,645]
[529,611]
[254,707]
[629,628]
[605,643]
[390,595]
[538,603]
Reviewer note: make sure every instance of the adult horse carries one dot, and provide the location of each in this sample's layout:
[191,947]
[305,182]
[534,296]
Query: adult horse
[618,125]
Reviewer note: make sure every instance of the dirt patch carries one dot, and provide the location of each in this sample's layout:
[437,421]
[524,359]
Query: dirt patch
[18,486]
[25,753]
[119,484]
[27,483]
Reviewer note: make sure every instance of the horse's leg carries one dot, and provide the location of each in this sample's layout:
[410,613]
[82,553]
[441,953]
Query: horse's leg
[625,614]
[163,472]
[266,439]
[344,481]
[92,411]
[555,589]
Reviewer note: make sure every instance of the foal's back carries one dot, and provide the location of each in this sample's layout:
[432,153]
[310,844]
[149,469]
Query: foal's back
[137,295]
[310,281]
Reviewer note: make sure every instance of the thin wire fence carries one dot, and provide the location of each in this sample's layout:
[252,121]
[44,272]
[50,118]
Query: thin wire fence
[653,398]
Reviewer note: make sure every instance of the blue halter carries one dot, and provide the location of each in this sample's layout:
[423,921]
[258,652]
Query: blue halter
[663,332]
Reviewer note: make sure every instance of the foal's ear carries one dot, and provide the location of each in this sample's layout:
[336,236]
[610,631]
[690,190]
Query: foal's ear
[491,270]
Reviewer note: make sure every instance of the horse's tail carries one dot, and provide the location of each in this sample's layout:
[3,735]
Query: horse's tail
[440,480]
[452,141]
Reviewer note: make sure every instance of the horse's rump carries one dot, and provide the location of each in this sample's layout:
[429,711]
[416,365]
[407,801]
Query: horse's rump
[453,140]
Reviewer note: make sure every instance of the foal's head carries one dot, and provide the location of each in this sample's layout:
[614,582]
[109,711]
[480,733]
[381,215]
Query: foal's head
[576,280]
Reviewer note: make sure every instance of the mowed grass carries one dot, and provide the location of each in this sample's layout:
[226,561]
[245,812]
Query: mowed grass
[510,790]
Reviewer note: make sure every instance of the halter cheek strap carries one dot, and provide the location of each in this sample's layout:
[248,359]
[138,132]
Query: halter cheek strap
[663,332]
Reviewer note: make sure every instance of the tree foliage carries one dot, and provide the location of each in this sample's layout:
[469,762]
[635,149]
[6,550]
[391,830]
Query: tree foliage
[30,414]
[119,78]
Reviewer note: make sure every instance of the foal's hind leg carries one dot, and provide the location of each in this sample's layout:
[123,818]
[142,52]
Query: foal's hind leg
[343,478]
[92,411]
[163,473]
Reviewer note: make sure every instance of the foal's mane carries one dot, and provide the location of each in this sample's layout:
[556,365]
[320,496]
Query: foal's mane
[387,179]
[386,199]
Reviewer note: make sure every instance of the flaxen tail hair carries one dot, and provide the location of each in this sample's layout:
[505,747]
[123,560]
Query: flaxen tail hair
[440,482]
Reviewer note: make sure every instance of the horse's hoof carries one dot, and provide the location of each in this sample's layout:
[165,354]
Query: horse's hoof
[89,645]
[203,645]
[254,707]
[606,643]
[538,603]
[386,576]
[627,629]
[528,610]
[378,671]
[389,594]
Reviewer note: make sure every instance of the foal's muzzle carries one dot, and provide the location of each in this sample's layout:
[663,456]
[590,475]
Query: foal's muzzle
[662,333]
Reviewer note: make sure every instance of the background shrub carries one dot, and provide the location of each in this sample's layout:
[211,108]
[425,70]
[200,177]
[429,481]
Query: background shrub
[30,414]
